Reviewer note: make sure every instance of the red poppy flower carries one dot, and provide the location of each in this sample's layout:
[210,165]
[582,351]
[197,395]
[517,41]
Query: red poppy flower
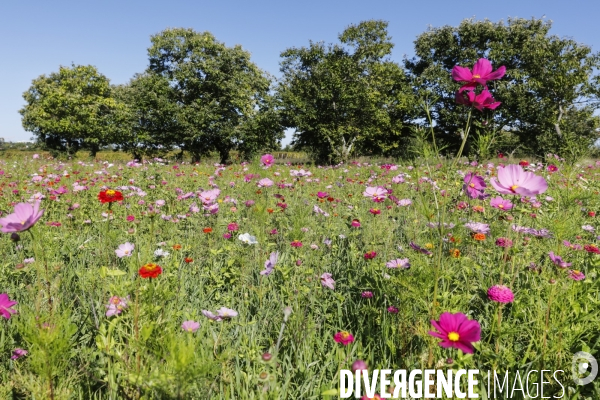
[188,260]
[207,230]
[150,270]
[110,196]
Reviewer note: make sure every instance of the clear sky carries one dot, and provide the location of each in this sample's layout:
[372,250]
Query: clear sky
[36,37]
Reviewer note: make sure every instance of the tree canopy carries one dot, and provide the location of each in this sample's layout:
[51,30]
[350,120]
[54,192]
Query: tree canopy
[70,109]
[217,90]
[346,98]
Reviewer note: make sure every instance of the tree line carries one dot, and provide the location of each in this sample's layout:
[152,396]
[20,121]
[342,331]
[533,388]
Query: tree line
[344,99]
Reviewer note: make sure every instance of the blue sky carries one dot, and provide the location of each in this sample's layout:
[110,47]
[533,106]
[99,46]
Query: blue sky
[36,37]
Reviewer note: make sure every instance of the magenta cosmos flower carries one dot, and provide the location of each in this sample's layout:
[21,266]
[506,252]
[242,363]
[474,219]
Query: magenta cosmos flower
[501,204]
[500,294]
[6,306]
[343,337]
[482,72]
[24,217]
[267,160]
[474,186]
[512,179]
[479,101]
[457,331]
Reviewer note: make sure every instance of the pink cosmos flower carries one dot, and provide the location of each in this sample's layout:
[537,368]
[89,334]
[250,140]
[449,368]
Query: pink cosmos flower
[479,101]
[378,194]
[482,72]
[116,305]
[343,337]
[359,365]
[474,186]
[457,331]
[190,326]
[267,160]
[576,275]
[125,250]
[327,281]
[24,217]
[402,263]
[265,182]
[501,204]
[512,179]
[500,294]
[6,306]
[212,316]
[226,313]
[558,260]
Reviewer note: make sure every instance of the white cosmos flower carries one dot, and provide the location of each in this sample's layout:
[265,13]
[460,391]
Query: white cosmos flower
[247,238]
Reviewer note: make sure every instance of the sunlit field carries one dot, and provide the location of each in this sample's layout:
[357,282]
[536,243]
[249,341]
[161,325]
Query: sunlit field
[265,279]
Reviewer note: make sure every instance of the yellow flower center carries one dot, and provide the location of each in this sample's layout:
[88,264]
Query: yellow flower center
[150,267]
[110,192]
[345,335]
[453,336]
[500,205]
[472,185]
[576,272]
[514,187]
[476,76]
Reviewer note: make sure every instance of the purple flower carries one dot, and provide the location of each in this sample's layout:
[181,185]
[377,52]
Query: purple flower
[24,217]
[558,260]
[420,249]
[270,264]
[474,186]
[478,227]
[327,281]
[190,326]
[367,295]
[392,310]
[18,353]
[398,263]
[588,228]
[124,250]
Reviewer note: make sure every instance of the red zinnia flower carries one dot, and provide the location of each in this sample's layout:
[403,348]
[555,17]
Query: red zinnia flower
[370,255]
[110,196]
[188,260]
[207,230]
[150,270]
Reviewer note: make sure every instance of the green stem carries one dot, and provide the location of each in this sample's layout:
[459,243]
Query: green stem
[462,146]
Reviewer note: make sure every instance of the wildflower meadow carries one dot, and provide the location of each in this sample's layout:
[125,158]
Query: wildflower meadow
[159,279]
